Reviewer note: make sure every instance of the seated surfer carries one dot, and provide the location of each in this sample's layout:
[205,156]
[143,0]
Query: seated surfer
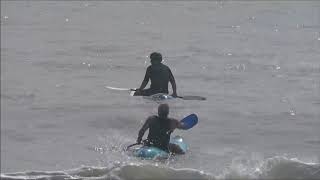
[160,76]
[160,128]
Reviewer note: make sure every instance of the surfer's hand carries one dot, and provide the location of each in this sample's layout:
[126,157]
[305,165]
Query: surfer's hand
[138,91]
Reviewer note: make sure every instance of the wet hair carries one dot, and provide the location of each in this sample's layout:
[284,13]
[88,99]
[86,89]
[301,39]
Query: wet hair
[155,56]
[163,110]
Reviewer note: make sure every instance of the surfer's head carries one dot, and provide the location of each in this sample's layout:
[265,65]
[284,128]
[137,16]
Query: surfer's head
[155,58]
[163,110]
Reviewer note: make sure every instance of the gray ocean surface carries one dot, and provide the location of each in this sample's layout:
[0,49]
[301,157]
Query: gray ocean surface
[256,62]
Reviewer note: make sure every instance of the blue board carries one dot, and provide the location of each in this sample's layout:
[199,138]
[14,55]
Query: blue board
[149,152]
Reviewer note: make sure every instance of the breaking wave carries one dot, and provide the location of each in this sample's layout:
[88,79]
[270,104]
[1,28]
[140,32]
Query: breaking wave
[273,168]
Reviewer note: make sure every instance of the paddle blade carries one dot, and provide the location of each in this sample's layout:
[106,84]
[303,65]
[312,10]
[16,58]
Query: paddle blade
[189,121]
[199,98]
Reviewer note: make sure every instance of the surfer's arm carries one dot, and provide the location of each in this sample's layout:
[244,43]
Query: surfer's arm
[143,130]
[145,80]
[173,84]
[178,124]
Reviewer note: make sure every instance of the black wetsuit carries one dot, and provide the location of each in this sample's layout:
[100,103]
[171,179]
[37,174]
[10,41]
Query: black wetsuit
[159,133]
[160,76]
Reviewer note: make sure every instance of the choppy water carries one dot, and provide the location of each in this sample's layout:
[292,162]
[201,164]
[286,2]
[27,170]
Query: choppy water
[256,62]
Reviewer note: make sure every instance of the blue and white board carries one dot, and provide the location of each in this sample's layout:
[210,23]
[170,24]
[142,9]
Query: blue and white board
[149,152]
[155,97]
[159,96]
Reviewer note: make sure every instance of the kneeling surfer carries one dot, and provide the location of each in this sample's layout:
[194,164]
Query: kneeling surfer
[160,128]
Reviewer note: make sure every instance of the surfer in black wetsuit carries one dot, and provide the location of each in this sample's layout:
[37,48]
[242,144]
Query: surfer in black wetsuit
[160,128]
[160,76]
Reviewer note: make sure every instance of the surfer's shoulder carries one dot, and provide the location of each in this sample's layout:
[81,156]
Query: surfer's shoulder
[164,66]
[152,118]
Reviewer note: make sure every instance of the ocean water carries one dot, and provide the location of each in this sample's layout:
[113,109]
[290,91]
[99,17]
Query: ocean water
[256,62]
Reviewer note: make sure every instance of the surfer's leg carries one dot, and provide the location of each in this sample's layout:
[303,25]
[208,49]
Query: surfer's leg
[175,149]
[144,92]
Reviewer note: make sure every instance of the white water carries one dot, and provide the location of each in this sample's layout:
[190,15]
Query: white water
[256,62]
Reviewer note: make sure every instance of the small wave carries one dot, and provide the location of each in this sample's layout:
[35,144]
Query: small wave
[272,168]
[283,168]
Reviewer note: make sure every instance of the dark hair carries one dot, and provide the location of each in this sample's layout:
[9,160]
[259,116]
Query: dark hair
[156,56]
[163,110]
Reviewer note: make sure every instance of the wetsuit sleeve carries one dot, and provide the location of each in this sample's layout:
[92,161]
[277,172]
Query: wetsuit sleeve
[143,129]
[173,83]
[148,74]
[146,78]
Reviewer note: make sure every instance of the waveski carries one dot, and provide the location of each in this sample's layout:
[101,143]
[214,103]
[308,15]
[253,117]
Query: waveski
[150,152]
